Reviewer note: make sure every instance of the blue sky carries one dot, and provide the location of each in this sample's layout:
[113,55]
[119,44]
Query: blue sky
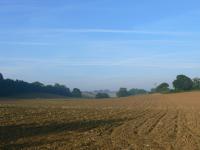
[100,44]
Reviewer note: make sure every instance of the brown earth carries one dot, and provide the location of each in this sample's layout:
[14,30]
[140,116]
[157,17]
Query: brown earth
[152,122]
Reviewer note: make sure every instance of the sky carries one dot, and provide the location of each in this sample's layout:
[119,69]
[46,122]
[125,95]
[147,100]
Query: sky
[100,44]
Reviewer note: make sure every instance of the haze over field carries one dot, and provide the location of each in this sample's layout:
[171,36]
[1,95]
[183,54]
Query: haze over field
[99,44]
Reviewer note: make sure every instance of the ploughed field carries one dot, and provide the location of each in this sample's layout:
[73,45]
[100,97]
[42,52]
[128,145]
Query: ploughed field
[170,121]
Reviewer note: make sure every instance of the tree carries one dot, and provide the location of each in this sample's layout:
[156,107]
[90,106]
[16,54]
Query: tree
[153,90]
[76,92]
[122,92]
[1,76]
[102,95]
[61,90]
[182,83]
[38,84]
[163,87]
[137,91]
[196,83]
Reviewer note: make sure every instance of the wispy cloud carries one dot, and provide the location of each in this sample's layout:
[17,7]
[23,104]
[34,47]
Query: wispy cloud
[120,31]
[25,43]
[100,43]
[157,61]
[97,31]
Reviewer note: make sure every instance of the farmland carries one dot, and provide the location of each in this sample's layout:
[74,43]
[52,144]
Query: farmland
[157,121]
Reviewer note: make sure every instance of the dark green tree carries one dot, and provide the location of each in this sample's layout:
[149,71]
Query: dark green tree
[1,76]
[137,91]
[122,92]
[196,83]
[182,83]
[76,92]
[61,90]
[102,95]
[163,87]
[38,84]
[153,90]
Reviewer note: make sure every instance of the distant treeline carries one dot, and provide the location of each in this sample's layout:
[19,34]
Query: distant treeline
[182,83]
[9,87]
[123,92]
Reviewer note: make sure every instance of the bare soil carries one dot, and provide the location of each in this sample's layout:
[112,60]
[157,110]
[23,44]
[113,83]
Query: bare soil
[150,122]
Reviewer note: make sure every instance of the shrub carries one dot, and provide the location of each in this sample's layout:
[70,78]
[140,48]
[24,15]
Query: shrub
[163,87]
[102,95]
